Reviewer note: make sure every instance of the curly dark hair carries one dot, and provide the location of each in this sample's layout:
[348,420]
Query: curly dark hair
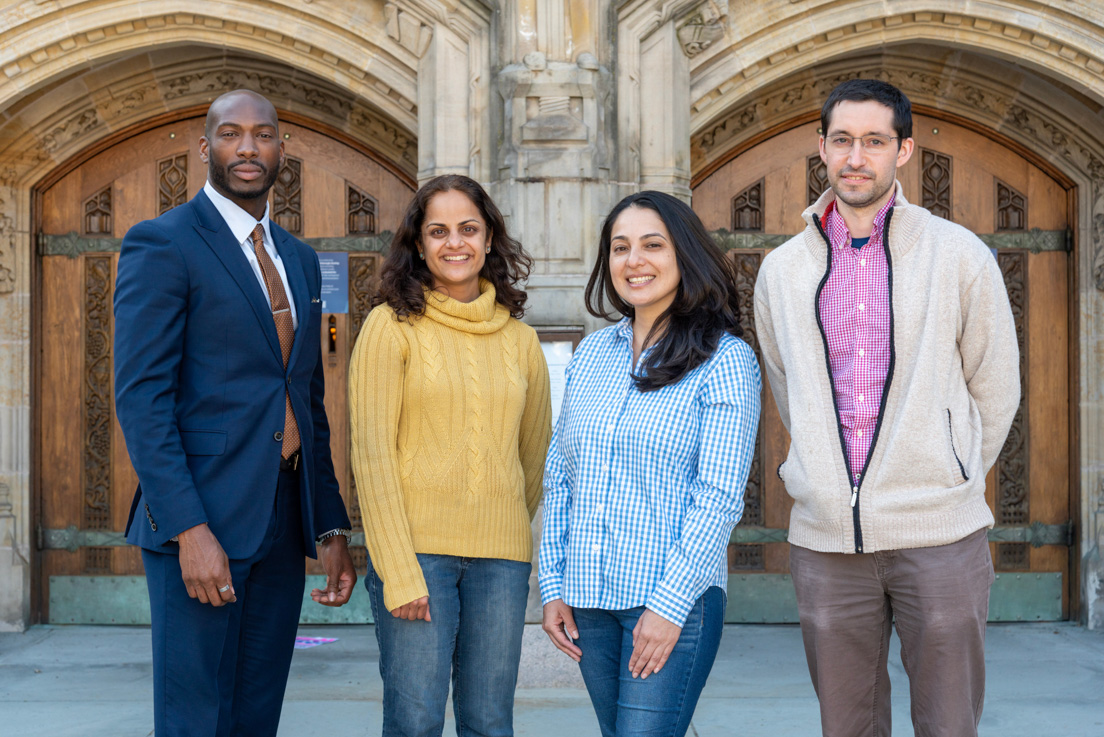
[706,303]
[404,275]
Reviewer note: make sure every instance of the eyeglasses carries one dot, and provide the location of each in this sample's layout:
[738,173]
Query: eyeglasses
[872,144]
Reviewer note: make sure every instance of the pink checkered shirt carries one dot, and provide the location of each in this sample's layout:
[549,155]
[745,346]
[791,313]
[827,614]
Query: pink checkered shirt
[855,310]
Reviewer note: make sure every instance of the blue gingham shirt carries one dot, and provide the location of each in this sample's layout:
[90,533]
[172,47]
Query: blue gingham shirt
[642,489]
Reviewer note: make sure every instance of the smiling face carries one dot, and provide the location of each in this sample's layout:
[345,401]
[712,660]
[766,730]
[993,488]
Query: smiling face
[862,179]
[242,149]
[642,262]
[454,241]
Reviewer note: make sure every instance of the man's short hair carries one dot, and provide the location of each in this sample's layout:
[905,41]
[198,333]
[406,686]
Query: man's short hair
[862,90]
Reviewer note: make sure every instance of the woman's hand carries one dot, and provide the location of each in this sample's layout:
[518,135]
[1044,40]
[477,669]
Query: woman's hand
[415,610]
[560,625]
[653,640]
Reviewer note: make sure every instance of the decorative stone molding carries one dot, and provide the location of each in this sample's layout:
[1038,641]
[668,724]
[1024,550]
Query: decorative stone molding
[775,51]
[407,29]
[698,32]
[42,143]
[334,53]
[7,241]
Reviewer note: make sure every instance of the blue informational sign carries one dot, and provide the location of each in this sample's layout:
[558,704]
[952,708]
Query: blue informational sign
[335,282]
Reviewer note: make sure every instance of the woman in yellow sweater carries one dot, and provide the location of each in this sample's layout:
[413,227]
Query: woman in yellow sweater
[450,409]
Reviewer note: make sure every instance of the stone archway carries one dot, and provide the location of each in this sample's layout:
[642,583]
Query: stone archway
[1040,88]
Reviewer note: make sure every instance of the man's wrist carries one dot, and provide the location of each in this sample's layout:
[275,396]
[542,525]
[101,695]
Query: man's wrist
[327,536]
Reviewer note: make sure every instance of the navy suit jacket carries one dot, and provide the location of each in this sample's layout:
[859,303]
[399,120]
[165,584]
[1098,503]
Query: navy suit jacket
[200,383]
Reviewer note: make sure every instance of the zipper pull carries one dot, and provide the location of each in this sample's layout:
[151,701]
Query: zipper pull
[854,496]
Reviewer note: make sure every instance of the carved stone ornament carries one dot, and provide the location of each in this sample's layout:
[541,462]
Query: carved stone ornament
[698,32]
[7,245]
[406,29]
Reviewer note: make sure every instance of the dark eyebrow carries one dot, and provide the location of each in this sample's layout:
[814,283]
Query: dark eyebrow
[462,222]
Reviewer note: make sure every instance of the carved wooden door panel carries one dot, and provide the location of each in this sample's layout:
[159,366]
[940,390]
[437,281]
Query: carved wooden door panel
[754,202]
[334,196]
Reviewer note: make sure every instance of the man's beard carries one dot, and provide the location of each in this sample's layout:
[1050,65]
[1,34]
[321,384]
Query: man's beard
[859,200]
[220,177]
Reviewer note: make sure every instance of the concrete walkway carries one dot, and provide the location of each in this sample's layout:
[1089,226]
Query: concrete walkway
[1045,680]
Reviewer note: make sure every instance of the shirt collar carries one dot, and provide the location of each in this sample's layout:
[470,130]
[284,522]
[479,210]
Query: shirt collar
[624,329]
[240,222]
[837,231]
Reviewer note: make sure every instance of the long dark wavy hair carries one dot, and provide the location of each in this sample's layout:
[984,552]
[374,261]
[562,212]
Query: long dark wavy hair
[705,304]
[404,275]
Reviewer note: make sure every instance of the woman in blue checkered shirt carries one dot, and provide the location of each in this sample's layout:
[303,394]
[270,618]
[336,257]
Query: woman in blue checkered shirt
[645,476]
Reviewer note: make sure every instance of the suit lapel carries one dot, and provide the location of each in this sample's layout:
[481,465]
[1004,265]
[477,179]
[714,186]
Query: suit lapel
[216,234]
[297,280]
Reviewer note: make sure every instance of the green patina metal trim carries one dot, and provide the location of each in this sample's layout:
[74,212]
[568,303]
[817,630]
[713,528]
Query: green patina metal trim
[748,535]
[1036,533]
[1026,597]
[1035,240]
[353,243]
[125,600]
[73,244]
[761,598]
[1015,597]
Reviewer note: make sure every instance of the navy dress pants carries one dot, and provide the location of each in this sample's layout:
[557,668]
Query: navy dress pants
[221,671]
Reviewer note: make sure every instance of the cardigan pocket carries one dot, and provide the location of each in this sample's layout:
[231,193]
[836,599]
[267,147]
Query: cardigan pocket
[961,475]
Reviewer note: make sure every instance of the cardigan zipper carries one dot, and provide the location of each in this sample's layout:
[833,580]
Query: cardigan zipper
[856,484]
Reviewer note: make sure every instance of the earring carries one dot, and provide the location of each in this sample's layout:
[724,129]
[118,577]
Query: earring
[421,255]
[488,249]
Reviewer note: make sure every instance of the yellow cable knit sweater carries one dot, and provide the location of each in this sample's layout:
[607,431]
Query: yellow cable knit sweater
[450,420]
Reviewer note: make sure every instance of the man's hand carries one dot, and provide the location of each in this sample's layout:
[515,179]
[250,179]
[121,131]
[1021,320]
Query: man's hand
[341,577]
[559,624]
[653,640]
[205,567]
[414,610]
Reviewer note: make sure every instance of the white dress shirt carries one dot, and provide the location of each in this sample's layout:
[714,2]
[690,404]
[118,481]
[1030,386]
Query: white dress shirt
[241,224]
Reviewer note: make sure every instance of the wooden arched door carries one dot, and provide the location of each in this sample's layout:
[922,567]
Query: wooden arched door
[334,194]
[1022,212]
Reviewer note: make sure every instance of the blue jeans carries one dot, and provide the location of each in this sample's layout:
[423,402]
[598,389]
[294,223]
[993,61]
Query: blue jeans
[478,610]
[662,704]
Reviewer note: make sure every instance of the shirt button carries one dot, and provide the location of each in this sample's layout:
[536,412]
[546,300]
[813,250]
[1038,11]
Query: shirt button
[596,547]
[277,436]
[862,262]
[862,306]
[862,352]
[859,433]
[605,468]
[610,427]
[860,397]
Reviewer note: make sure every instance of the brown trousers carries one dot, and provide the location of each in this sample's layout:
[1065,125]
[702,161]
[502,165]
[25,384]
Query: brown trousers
[939,598]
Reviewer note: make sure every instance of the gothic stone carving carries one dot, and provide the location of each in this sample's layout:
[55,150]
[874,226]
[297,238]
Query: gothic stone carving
[698,32]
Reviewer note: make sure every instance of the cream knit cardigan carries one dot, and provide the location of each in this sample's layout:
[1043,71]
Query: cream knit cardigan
[952,390]
[450,422]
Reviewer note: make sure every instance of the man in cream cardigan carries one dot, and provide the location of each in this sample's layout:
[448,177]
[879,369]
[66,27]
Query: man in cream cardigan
[888,340]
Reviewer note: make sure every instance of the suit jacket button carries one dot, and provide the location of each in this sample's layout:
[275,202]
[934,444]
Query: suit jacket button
[153,525]
[277,436]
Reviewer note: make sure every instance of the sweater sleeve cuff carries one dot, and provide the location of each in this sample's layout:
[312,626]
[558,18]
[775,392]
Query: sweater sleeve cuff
[670,604]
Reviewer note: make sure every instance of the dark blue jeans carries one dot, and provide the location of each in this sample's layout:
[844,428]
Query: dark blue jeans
[478,610]
[662,704]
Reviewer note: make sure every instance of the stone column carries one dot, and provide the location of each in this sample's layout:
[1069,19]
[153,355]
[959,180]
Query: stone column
[15,444]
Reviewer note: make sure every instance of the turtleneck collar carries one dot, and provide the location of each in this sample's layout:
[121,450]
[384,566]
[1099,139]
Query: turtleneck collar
[480,316]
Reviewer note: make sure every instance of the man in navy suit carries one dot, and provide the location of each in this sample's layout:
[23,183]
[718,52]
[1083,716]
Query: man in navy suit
[219,391]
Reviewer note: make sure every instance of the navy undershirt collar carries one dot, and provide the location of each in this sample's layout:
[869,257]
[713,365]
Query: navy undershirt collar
[857,243]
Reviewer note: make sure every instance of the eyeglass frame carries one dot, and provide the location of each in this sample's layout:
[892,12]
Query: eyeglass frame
[861,140]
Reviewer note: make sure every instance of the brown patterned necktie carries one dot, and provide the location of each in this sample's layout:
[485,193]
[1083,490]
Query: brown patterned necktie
[285,328]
